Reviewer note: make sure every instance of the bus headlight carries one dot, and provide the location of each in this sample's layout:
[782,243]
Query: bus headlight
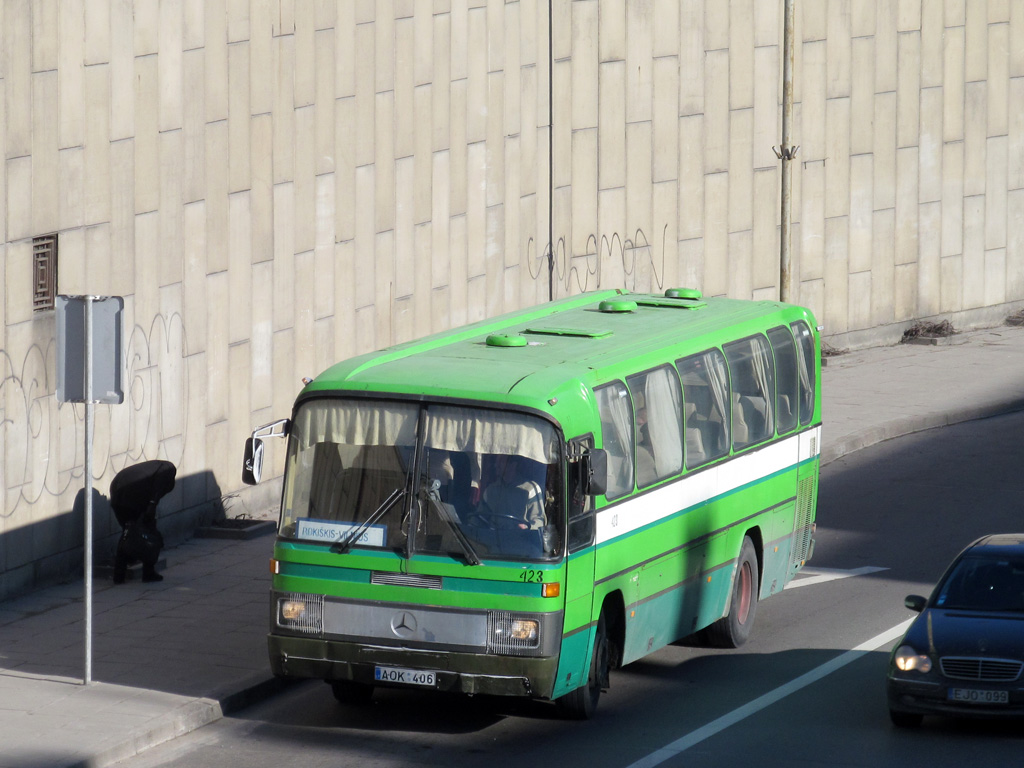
[292,610]
[907,659]
[304,613]
[524,630]
[512,634]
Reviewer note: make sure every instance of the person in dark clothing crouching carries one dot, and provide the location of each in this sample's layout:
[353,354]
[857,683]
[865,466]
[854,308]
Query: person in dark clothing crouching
[135,492]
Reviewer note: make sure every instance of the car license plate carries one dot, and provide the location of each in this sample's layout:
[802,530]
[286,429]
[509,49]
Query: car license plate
[975,696]
[403,676]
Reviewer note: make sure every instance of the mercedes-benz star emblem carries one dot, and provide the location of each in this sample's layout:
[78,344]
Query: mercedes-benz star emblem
[403,624]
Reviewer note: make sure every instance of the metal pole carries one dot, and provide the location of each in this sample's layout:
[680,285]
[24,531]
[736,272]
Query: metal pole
[87,677]
[787,152]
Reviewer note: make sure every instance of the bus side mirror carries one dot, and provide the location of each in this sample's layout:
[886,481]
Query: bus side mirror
[252,464]
[595,471]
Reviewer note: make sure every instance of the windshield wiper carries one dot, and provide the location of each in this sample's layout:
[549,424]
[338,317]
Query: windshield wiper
[343,546]
[445,514]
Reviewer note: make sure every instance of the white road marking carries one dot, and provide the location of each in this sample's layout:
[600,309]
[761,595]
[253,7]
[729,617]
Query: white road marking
[811,576]
[762,702]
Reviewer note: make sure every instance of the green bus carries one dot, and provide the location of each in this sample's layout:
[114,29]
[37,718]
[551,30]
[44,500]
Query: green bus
[518,506]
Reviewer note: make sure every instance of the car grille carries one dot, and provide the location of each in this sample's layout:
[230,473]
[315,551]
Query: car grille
[971,668]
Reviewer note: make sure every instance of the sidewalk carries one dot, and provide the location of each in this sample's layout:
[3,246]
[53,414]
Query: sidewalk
[173,656]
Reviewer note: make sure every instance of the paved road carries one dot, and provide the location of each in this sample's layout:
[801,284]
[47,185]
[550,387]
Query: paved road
[906,506]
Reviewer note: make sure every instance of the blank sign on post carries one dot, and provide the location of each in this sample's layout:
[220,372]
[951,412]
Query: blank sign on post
[106,349]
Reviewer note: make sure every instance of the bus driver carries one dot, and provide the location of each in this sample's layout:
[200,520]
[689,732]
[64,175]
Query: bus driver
[514,495]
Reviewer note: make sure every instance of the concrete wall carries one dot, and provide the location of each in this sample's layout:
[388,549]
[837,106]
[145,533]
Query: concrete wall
[273,185]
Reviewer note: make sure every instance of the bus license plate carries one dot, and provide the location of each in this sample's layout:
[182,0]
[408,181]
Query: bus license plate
[402,676]
[975,696]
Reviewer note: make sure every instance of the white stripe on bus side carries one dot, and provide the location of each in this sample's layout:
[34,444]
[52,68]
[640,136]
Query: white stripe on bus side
[691,490]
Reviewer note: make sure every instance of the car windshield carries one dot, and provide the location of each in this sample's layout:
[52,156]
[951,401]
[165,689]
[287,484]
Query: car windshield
[437,479]
[984,583]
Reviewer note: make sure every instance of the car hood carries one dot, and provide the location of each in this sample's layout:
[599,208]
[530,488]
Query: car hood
[968,633]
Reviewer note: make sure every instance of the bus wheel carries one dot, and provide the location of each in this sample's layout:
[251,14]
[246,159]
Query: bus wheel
[732,630]
[351,692]
[579,704]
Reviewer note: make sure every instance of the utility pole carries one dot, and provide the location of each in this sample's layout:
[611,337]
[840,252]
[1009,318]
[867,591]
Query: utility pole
[786,152]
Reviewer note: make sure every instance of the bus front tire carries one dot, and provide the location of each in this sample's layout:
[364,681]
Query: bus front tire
[733,629]
[351,693]
[580,704]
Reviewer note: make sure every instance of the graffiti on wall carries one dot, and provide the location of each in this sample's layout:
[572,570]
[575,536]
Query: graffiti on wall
[43,440]
[609,261]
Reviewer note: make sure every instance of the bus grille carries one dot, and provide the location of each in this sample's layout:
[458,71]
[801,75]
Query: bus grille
[406,580]
[987,670]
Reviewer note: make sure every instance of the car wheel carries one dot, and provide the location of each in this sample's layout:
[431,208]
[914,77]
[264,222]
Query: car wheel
[905,719]
[733,629]
[580,704]
[351,693]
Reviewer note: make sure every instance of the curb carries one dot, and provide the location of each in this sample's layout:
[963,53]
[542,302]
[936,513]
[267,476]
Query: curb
[910,425]
[252,530]
[187,718]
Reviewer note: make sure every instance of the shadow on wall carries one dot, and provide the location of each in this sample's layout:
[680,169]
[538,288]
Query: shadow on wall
[50,551]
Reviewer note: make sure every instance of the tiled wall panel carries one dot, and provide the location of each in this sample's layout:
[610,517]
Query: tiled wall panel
[272,185]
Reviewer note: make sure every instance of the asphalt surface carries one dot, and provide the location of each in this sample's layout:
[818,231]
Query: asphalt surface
[172,656]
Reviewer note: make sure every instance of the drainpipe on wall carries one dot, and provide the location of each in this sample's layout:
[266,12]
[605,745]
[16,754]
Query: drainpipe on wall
[551,155]
[786,152]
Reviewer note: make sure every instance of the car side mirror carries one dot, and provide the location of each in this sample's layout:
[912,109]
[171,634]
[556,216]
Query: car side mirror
[595,471]
[915,603]
[252,463]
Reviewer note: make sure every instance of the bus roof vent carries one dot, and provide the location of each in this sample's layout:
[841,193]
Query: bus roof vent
[506,340]
[680,298]
[692,294]
[617,305]
[597,333]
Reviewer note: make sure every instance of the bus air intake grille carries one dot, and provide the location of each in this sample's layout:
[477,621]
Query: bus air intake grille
[987,670]
[802,523]
[406,580]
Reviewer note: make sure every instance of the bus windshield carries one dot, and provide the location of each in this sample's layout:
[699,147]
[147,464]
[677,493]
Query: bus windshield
[433,479]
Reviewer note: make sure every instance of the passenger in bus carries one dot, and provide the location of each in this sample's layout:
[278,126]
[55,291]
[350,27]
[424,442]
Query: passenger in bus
[646,471]
[514,495]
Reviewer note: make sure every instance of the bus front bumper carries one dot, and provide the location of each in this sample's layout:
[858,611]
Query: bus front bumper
[471,673]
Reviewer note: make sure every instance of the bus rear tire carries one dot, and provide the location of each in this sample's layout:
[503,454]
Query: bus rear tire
[351,693]
[733,629]
[581,703]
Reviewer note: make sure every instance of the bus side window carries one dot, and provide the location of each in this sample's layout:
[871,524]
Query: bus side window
[805,346]
[752,371]
[706,416]
[786,405]
[616,412]
[658,417]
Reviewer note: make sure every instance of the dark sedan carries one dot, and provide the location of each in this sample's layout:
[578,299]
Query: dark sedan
[963,656]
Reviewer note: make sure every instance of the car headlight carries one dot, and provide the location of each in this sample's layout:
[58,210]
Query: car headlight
[907,659]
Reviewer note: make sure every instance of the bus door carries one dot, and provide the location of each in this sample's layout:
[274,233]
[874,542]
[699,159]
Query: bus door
[579,579]
[810,448]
